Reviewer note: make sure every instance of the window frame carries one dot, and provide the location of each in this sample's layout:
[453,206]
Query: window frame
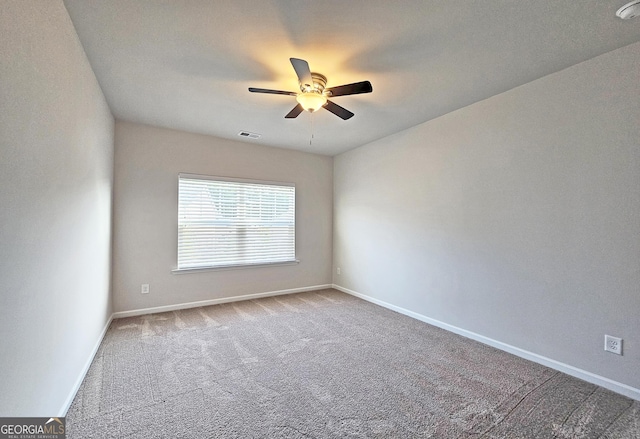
[181,270]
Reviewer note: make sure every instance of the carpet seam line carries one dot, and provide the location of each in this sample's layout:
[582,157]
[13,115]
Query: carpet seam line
[483,434]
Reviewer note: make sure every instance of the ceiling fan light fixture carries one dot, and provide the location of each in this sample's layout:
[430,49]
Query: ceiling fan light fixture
[311,101]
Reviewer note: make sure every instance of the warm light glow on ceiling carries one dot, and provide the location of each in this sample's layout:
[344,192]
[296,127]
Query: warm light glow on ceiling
[311,101]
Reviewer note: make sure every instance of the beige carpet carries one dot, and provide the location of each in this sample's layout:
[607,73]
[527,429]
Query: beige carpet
[326,365]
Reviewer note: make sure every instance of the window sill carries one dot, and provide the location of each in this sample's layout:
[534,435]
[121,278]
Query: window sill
[232,267]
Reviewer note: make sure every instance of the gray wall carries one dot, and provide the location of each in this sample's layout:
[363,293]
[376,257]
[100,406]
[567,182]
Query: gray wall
[516,218]
[147,163]
[56,147]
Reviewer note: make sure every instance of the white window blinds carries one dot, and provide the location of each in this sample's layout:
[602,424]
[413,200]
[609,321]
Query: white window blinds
[226,222]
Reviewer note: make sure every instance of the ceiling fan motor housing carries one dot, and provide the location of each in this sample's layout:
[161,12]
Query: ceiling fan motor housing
[319,83]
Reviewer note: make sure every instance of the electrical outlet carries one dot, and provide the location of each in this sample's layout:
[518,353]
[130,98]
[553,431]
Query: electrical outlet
[613,344]
[338,270]
[145,289]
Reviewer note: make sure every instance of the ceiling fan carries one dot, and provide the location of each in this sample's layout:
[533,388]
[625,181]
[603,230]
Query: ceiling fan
[313,94]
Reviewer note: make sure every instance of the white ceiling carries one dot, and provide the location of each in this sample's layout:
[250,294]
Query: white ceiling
[187,64]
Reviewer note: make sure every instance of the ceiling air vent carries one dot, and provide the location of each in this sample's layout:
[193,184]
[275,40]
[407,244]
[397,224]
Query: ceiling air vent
[249,135]
[630,10]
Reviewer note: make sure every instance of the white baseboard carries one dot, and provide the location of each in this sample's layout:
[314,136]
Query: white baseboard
[157,309]
[592,378]
[85,369]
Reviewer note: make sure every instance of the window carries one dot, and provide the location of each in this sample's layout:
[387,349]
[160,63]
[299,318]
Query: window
[224,222]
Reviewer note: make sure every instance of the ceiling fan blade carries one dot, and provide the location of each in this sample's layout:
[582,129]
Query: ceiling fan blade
[351,89]
[273,92]
[339,111]
[303,71]
[295,112]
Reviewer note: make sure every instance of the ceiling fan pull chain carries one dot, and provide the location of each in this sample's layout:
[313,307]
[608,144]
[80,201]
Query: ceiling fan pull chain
[312,130]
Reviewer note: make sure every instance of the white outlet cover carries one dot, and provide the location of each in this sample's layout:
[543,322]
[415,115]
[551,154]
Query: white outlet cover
[613,344]
[145,289]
